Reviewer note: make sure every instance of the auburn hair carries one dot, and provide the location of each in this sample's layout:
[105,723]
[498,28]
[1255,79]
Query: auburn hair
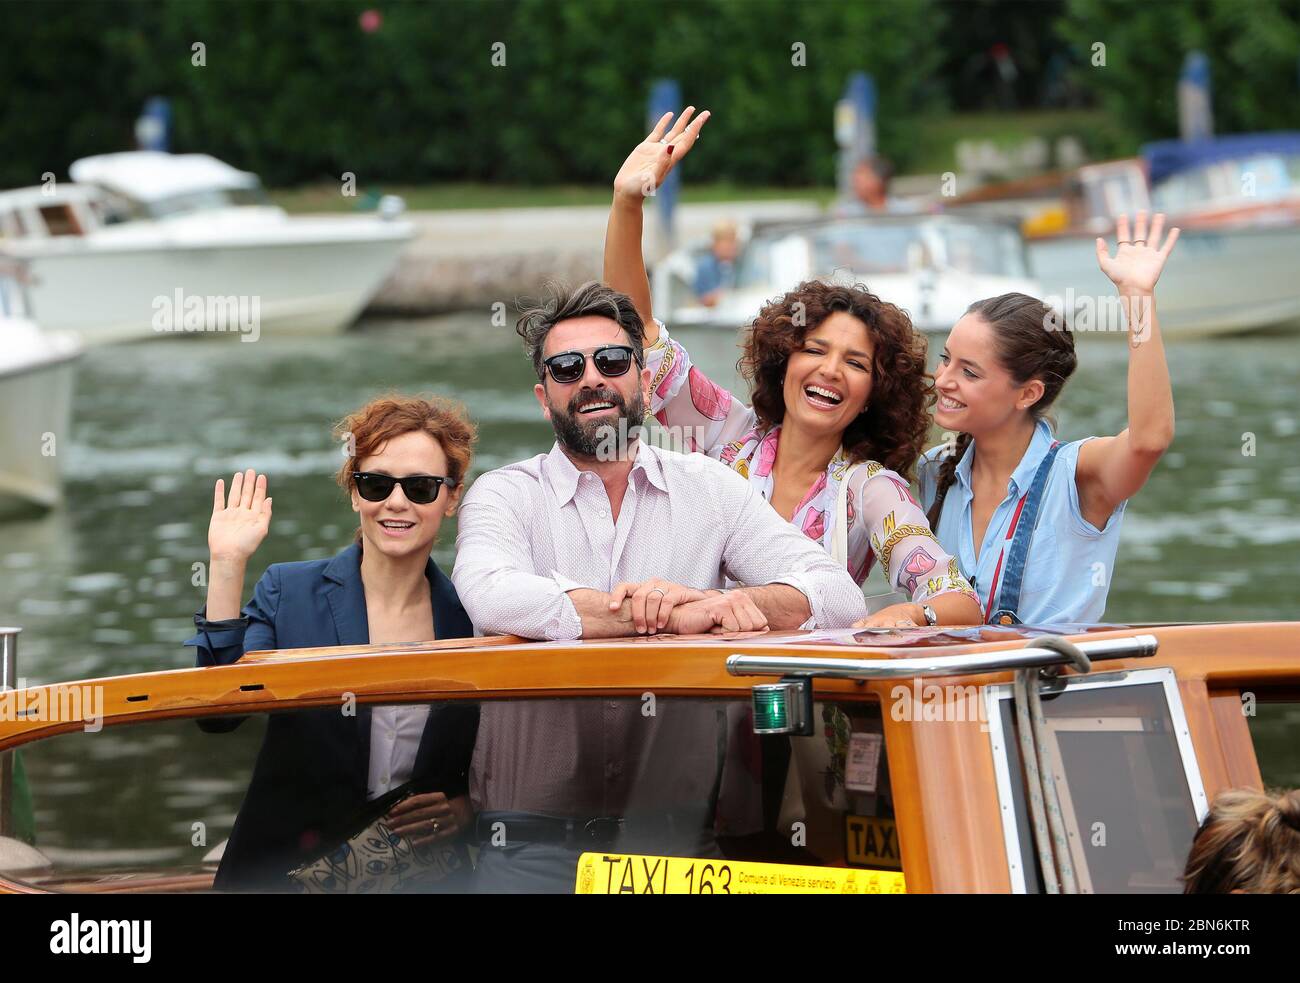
[892,431]
[365,431]
[1250,841]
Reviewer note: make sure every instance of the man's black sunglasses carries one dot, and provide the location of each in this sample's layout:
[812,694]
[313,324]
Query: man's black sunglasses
[420,489]
[611,362]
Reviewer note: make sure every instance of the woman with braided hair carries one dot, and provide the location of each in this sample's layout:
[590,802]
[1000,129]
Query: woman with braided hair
[1034,522]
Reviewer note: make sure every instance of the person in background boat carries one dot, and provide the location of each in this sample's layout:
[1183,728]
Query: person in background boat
[1249,843]
[1034,522]
[717,268]
[317,768]
[839,409]
[871,178]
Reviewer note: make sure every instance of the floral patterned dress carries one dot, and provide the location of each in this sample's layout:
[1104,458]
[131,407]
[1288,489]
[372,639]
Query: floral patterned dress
[885,521]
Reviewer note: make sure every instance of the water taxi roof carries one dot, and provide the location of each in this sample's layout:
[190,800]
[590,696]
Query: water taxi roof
[1166,158]
[149,175]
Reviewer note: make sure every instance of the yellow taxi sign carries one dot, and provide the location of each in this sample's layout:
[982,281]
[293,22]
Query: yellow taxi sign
[871,841]
[622,873]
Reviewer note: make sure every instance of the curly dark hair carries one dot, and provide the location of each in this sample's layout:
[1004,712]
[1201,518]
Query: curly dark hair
[894,428]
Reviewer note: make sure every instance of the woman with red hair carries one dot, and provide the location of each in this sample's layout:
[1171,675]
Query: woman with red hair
[405,461]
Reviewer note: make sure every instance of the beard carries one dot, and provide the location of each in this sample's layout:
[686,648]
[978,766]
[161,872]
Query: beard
[602,439]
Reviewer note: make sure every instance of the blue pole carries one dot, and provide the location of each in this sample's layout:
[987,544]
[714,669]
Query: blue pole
[855,128]
[153,128]
[666,97]
[1195,111]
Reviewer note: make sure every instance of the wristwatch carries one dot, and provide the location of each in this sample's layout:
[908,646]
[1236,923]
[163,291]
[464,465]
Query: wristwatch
[931,618]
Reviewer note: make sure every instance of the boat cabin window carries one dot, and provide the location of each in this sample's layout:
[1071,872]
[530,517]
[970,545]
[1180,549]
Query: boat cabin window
[1126,775]
[1116,192]
[1230,183]
[292,801]
[11,224]
[205,200]
[60,220]
[1182,192]
[1274,720]
[863,248]
[984,251]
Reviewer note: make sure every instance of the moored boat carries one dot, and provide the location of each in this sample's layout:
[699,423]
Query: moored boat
[144,244]
[37,374]
[1236,200]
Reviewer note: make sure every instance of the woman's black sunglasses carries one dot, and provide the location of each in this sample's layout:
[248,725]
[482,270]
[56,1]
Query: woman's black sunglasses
[611,361]
[420,489]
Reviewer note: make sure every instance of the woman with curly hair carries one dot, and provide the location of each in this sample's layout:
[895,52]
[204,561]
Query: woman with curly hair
[838,415]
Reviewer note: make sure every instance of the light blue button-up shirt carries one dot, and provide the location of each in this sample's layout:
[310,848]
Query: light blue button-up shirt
[1071,562]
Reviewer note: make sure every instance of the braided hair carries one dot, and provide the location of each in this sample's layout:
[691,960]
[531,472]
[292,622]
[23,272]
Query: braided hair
[1031,341]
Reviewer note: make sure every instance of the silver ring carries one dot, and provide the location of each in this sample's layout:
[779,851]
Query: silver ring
[660,590]
[1136,241]
[663,140]
[434,824]
[1125,242]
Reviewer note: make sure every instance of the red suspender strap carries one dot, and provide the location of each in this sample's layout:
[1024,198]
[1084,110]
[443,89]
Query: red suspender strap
[997,571]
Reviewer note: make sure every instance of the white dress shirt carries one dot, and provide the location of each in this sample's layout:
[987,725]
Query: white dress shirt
[530,532]
[395,734]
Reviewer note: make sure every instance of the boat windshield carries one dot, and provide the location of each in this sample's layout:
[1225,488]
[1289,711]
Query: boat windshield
[1244,181]
[1126,773]
[984,250]
[207,199]
[266,802]
[864,249]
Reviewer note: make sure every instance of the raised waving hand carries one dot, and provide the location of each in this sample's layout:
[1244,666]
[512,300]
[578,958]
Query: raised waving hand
[1139,258]
[239,524]
[651,159]
[639,177]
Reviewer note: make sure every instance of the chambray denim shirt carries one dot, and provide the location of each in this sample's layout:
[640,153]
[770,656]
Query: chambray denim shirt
[1071,562]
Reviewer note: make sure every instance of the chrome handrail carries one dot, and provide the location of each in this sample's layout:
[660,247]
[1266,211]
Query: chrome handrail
[1029,657]
[9,658]
[8,680]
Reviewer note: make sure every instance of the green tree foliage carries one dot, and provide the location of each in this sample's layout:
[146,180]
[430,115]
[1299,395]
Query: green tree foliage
[297,91]
[1253,47]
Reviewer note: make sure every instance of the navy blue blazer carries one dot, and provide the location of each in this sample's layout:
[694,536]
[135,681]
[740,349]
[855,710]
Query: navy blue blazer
[313,767]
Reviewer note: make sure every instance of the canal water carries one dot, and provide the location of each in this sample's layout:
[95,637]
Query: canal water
[107,584]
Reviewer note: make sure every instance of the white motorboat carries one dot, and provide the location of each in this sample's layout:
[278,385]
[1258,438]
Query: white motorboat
[1236,201]
[146,243]
[37,371]
[932,266]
